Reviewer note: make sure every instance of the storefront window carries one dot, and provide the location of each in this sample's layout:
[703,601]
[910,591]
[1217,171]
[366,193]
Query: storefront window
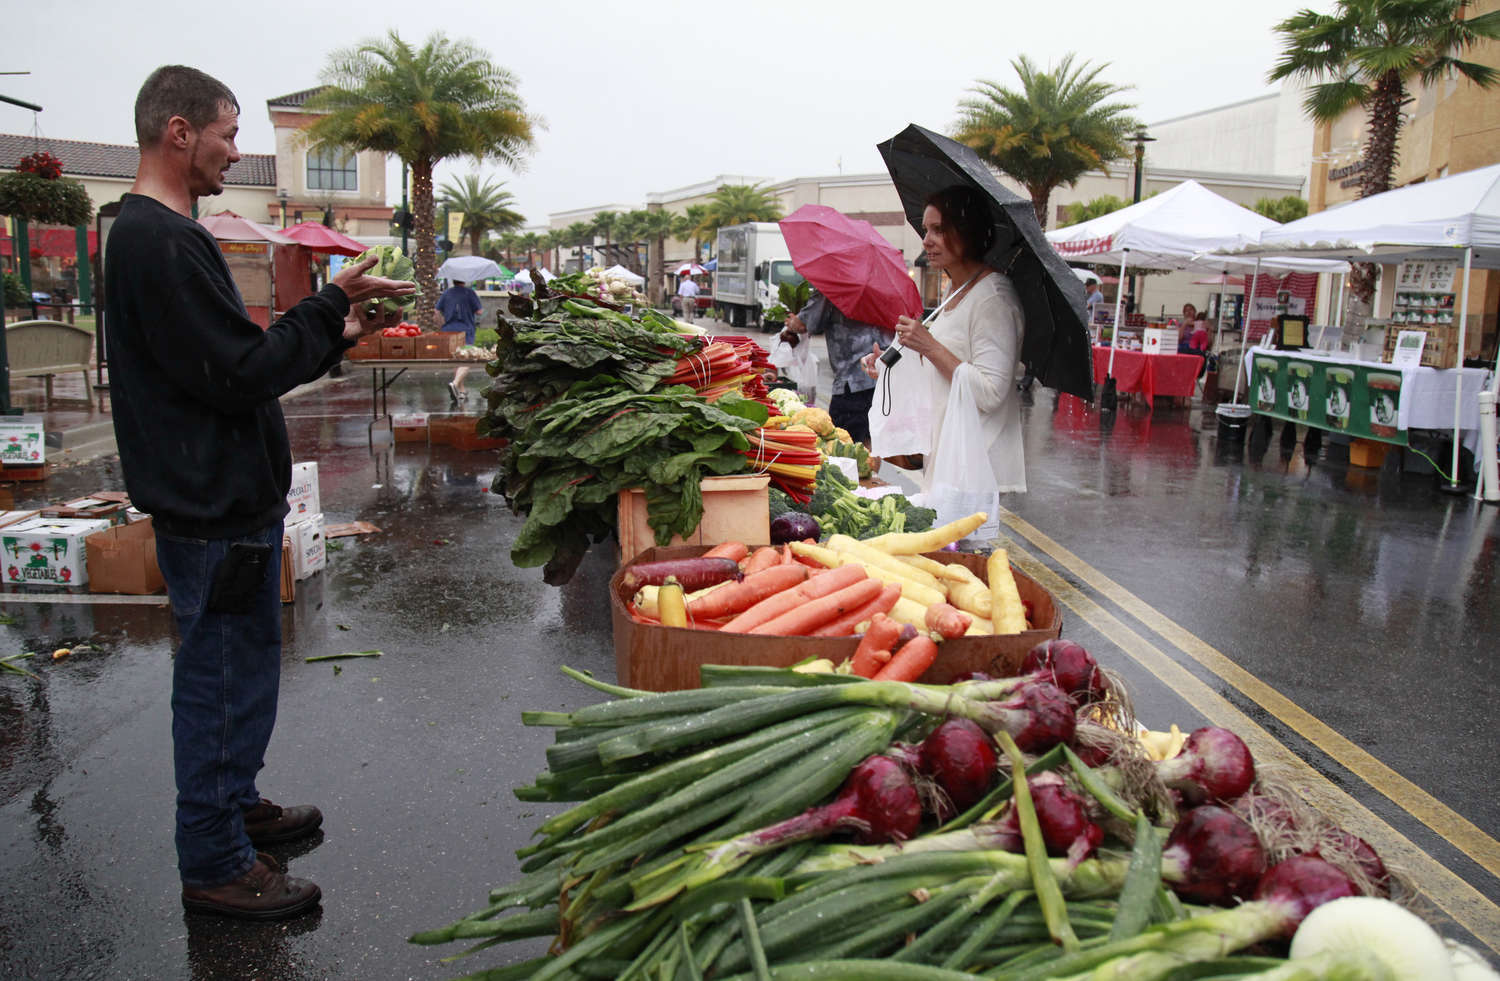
[332,170]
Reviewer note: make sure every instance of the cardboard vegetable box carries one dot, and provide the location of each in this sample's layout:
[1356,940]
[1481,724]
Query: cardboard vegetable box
[667,658]
[122,559]
[48,551]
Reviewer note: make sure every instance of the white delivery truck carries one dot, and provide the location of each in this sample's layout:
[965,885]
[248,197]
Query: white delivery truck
[753,263]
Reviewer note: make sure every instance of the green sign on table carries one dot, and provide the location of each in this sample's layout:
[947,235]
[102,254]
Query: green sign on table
[1352,398]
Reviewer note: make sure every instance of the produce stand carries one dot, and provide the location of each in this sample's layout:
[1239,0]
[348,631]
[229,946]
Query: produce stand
[1149,374]
[1361,399]
[668,658]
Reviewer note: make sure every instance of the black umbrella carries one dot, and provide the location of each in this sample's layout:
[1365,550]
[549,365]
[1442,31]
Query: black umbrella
[1056,344]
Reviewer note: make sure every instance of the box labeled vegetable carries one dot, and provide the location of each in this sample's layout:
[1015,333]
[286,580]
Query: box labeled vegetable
[659,658]
[22,440]
[49,551]
[309,550]
[303,500]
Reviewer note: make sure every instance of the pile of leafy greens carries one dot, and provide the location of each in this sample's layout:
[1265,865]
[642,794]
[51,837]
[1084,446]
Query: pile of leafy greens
[576,393]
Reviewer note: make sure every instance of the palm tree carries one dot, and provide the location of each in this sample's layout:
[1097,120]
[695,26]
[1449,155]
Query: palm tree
[1282,209]
[425,104]
[552,241]
[530,241]
[1093,208]
[1365,54]
[656,226]
[606,223]
[581,234]
[735,204]
[485,207]
[695,216]
[1057,127]
[634,227]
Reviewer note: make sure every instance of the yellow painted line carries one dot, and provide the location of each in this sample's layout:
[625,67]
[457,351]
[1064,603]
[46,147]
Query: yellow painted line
[1442,819]
[1455,897]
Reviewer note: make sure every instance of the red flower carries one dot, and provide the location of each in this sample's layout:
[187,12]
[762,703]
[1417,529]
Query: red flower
[42,164]
[13,572]
[65,574]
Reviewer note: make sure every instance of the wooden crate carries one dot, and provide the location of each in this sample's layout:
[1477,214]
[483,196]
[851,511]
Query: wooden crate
[735,509]
[439,346]
[668,658]
[398,347]
[365,349]
[1440,349]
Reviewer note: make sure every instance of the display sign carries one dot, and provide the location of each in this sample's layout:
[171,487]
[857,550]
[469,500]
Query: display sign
[1355,399]
[1409,344]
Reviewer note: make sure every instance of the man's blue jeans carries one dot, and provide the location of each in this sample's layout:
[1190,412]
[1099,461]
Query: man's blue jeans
[224,683]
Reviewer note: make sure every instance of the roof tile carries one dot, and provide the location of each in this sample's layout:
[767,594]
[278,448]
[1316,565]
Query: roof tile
[84,159]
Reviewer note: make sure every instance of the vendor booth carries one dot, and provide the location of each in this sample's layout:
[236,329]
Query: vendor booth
[250,252]
[1435,233]
[1186,227]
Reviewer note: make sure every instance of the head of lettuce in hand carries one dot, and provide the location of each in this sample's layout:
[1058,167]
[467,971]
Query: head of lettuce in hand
[390,263]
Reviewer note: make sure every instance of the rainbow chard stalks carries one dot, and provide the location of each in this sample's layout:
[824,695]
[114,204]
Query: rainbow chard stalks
[1213,856]
[1214,764]
[879,802]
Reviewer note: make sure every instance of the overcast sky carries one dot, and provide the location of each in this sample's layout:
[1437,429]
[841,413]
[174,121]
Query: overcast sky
[655,94]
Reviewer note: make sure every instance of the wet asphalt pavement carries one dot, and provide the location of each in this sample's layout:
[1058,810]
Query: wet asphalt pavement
[1367,598]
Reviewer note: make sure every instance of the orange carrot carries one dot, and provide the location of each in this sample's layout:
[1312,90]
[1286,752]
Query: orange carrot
[787,558]
[881,636]
[728,550]
[846,624]
[774,606]
[947,621]
[737,597]
[911,661]
[808,617]
[762,558]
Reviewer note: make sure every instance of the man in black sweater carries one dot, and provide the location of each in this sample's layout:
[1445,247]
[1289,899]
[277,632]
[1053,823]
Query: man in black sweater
[194,384]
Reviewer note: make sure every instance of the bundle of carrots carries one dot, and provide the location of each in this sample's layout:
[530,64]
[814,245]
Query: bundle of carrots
[792,458]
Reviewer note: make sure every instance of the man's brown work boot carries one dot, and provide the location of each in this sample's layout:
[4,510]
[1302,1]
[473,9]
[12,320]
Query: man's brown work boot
[268,824]
[266,892]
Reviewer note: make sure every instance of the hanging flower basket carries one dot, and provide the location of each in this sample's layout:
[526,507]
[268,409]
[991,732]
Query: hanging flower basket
[37,192]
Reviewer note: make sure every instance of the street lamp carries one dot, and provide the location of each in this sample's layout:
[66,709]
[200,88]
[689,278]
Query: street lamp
[1140,139]
[283,197]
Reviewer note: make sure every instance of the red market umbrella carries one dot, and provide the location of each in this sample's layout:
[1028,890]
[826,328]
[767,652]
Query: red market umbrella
[690,269]
[852,264]
[228,227]
[321,238]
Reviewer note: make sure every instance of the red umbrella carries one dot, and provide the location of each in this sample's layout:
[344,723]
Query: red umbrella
[852,264]
[321,238]
[230,227]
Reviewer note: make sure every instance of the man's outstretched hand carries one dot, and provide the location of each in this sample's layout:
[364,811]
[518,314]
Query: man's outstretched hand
[361,289]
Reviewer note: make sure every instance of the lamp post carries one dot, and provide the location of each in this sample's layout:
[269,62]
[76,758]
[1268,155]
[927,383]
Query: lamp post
[283,197]
[1140,139]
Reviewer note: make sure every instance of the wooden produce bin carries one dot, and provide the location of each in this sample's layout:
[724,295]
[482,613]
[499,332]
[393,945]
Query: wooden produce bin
[398,348]
[367,348]
[668,658]
[440,345]
[735,509]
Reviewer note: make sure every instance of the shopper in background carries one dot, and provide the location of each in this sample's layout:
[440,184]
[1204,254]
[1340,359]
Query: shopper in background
[848,341]
[194,384]
[459,306]
[688,291]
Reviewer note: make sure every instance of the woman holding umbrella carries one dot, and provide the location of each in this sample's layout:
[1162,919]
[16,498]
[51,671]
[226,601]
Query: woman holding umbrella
[980,326]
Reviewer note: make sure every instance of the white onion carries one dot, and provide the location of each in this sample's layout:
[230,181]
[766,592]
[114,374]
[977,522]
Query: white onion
[1399,938]
[1468,965]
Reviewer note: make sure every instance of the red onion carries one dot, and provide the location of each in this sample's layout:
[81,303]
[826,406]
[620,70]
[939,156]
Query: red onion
[1067,665]
[878,800]
[1299,885]
[1063,816]
[1213,856]
[1039,716]
[960,757]
[1214,764]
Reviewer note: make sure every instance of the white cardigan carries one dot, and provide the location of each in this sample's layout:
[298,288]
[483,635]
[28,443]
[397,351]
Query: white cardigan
[985,331]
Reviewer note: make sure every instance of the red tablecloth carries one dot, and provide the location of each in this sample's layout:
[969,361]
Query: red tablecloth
[1149,374]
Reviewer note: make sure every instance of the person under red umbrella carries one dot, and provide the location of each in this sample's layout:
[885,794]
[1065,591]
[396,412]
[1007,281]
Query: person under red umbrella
[848,341]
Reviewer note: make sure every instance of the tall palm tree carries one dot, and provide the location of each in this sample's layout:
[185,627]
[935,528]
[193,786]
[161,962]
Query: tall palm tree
[1057,127]
[509,242]
[425,104]
[581,234]
[485,207]
[656,226]
[695,216]
[1367,51]
[735,204]
[530,241]
[606,223]
[552,241]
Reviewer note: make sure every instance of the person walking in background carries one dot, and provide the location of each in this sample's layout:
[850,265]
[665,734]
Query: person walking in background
[1093,299]
[688,290]
[195,384]
[459,307]
[848,341]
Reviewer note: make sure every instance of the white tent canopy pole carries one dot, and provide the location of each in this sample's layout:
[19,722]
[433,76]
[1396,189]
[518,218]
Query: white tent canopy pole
[1114,340]
[1239,370]
[1458,378]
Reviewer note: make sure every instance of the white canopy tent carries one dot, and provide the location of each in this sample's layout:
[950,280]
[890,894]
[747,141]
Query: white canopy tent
[619,272]
[1438,219]
[1185,227]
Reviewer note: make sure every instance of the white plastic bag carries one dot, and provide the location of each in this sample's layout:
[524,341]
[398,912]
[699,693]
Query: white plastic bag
[906,391]
[800,365]
[961,480]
